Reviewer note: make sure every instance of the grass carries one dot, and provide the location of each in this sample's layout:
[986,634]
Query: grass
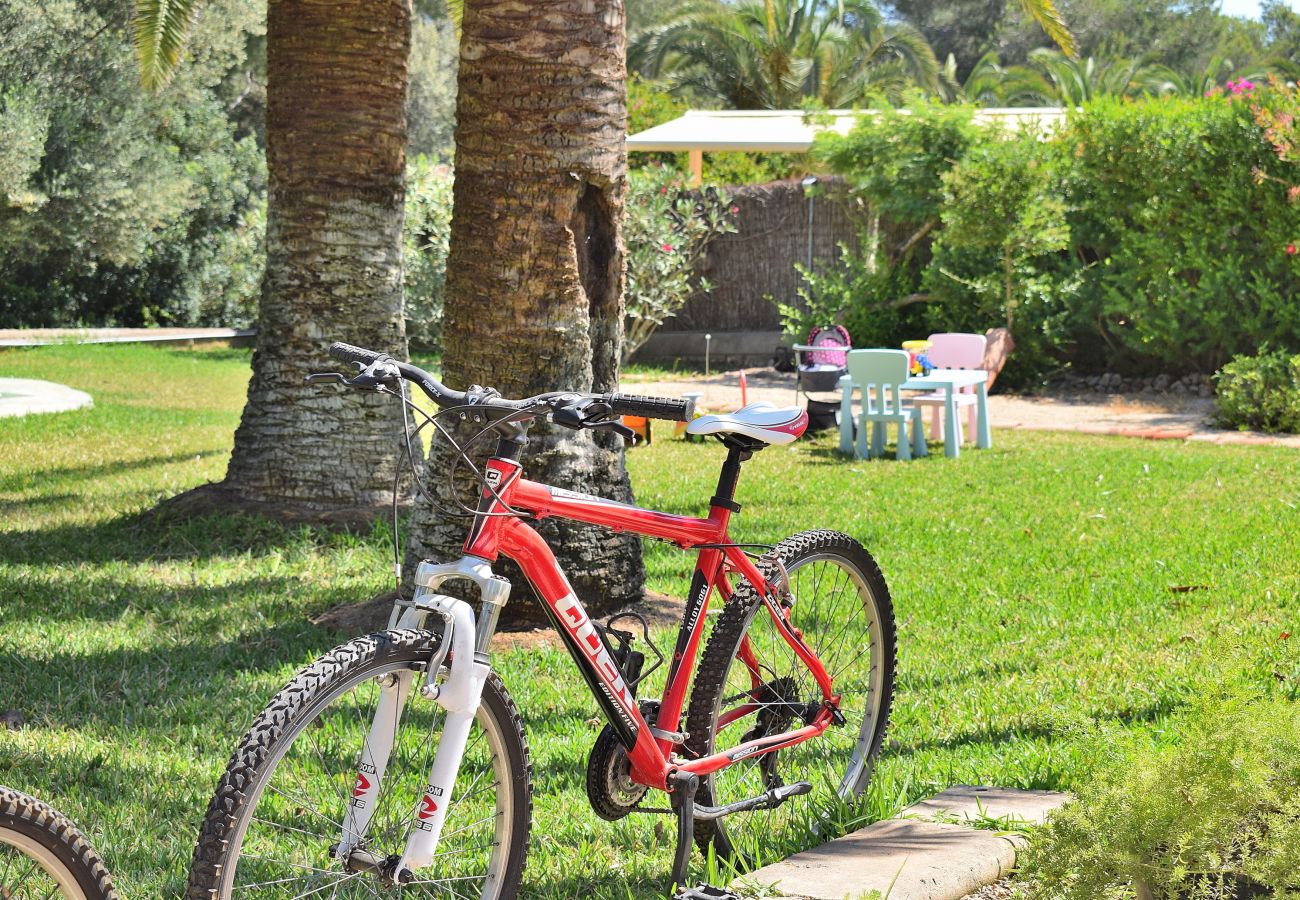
[1051,580]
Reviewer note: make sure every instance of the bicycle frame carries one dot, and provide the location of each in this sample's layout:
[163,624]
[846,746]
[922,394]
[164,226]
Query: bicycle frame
[497,529]
[649,748]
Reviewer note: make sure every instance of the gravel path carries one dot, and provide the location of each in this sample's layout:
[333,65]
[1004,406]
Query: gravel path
[1156,416]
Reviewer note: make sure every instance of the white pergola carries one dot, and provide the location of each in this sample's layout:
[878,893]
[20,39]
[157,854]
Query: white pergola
[702,131]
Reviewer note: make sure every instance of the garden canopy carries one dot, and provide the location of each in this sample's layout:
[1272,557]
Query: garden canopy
[786,130]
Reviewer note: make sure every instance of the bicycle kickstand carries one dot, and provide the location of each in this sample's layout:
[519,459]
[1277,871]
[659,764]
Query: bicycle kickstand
[683,803]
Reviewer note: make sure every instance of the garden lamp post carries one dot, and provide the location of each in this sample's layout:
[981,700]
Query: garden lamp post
[808,183]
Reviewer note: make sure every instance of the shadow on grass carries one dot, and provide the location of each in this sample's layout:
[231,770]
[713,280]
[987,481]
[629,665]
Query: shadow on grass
[156,536]
[44,476]
[596,885]
[70,596]
[203,680]
[1147,713]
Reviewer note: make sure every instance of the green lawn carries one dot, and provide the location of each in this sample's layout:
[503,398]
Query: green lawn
[1053,579]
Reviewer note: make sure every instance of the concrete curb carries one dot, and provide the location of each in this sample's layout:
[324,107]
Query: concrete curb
[1241,438]
[189,337]
[913,857]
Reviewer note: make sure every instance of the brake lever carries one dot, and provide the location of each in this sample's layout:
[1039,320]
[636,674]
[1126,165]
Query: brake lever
[326,378]
[617,427]
[379,374]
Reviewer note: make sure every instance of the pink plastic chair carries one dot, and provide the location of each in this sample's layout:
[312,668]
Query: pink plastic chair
[953,350]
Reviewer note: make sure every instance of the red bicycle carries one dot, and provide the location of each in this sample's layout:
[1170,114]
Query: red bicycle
[398,761]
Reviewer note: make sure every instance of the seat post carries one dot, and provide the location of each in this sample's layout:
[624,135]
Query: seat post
[729,477]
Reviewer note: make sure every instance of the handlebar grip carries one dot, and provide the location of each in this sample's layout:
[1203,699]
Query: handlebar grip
[348,353]
[653,407]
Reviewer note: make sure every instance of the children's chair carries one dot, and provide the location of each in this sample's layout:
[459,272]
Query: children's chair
[952,350]
[880,374]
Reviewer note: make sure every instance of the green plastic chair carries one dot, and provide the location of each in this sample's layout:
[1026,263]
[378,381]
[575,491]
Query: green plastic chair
[879,375]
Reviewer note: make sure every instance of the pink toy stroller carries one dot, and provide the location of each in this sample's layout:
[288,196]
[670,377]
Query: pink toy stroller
[821,363]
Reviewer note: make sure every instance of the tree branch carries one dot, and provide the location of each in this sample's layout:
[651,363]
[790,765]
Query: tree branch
[912,298]
[915,239]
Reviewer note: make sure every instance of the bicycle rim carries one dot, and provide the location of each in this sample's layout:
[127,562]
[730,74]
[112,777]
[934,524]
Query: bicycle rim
[296,805]
[842,617]
[29,869]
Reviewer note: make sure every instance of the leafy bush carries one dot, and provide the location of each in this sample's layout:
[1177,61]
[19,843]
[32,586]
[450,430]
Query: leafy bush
[997,258]
[666,231]
[119,207]
[1150,235]
[1185,250]
[1259,392]
[857,293]
[896,159]
[1208,808]
[427,234]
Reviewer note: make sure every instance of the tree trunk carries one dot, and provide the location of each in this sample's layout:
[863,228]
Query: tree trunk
[336,139]
[536,268]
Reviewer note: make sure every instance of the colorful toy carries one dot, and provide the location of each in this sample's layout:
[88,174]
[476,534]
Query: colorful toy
[918,362]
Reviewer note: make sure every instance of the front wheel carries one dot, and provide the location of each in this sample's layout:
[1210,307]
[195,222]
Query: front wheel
[280,805]
[750,684]
[43,855]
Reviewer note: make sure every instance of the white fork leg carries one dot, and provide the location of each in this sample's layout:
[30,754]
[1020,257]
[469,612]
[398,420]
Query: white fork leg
[459,695]
[374,760]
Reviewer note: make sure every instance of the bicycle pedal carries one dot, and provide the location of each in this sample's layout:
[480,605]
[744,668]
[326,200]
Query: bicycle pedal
[786,791]
[766,800]
[706,892]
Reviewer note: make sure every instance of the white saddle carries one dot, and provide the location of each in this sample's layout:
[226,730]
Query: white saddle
[761,421]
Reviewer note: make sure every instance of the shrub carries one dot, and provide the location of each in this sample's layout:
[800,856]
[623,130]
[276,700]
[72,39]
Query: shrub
[666,230]
[1185,252]
[118,206]
[1259,392]
[1156,234]
[1208,808]
[426,236]
[998,257]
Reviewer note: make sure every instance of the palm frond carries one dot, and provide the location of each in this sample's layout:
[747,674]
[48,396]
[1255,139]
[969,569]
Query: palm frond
[1045,13]
[160,28]
[456,12]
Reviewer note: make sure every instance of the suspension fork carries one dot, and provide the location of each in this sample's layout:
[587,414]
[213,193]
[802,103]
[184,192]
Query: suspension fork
[464,640]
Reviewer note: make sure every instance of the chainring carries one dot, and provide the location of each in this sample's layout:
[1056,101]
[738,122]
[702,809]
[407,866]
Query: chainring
[610,788]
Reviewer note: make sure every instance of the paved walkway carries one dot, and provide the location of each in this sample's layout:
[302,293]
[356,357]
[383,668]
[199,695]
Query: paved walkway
[24,396]
[928,852]
[37,337]
[1169,417]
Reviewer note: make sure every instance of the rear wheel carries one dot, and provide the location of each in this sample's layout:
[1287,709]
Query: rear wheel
[43,855]
[281,803]
[750,683]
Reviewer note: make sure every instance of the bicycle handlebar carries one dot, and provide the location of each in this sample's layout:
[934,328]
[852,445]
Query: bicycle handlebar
[652,407]
[348,353]
[667,408]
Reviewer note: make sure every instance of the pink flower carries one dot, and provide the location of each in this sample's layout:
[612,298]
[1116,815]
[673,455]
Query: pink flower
[735,209]
[1291,249]
[668,248]
[1293,193]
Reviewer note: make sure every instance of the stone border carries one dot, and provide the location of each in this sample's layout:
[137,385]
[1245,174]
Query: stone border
[42,337]
[923,854]
[1244,438]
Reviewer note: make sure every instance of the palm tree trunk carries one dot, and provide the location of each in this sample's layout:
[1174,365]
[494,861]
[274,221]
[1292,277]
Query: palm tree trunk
[336,138]
[536,268]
